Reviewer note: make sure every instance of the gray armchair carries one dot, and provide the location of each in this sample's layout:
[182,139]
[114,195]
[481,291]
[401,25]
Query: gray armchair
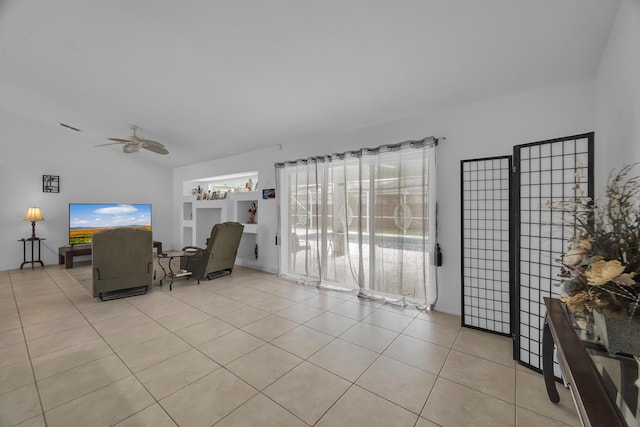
[122,262]
[219,257]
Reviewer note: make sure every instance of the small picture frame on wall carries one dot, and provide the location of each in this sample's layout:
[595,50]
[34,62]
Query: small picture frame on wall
[50,183]
[269,193]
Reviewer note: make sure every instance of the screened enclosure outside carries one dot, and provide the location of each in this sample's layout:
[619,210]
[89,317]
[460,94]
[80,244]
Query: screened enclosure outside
[361,220]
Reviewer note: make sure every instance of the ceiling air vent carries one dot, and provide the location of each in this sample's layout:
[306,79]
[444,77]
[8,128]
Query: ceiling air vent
[69,127]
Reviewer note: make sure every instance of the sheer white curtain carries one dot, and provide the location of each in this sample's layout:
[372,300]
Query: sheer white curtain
[362,220]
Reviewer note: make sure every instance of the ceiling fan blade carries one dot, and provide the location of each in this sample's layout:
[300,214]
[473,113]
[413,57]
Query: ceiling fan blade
[109,143]
[156,148]
[119,140]
[150,142]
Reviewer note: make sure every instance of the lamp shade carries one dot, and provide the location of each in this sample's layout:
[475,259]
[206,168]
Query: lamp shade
[33,214]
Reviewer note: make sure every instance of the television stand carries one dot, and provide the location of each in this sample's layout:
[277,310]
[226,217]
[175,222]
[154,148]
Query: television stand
[66,254]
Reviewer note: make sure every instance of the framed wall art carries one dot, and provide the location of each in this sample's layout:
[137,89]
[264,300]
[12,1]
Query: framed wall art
[269,193]
[50,183]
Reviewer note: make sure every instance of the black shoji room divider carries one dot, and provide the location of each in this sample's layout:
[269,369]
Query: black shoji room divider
[545,172]
[512,240]
[485,191]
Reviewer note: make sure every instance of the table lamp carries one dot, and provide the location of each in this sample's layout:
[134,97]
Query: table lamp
[33,215]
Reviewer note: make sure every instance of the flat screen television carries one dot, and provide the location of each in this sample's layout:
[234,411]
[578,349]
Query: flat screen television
[87,218]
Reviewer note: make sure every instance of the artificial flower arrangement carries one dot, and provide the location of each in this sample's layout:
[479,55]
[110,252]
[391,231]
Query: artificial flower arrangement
[601,269]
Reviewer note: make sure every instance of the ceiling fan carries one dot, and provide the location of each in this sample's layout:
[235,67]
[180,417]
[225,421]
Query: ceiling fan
[133,144]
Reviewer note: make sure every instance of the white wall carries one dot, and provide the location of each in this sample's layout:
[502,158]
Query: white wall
[618,93]
[487,128]
[87,174]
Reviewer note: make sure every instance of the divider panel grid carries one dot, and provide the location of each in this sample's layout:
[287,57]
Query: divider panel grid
[546,172]
[485,243]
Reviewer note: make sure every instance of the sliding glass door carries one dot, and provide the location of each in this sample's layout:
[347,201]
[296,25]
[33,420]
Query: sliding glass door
[362,220]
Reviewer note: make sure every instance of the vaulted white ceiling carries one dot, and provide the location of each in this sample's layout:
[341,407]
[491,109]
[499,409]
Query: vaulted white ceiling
[211,78]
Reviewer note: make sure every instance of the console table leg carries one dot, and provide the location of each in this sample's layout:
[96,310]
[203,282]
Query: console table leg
[39,255]
[24,254]
[547,364]
[32,261]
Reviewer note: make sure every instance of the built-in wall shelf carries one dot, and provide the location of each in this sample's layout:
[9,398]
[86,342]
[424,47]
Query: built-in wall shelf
[199,217]
[187,210]
[242,203]
[199,204]
[250,228]
[244,195]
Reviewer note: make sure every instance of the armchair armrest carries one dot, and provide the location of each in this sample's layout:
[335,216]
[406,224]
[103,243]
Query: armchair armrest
[185,262]
[192,249]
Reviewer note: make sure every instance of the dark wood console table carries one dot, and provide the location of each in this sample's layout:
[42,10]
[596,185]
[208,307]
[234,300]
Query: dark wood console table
[585,363]
[67,253]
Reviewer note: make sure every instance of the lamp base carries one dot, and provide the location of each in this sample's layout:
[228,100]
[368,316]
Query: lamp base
[33,230]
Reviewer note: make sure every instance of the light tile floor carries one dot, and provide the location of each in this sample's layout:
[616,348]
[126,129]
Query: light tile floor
[250,349]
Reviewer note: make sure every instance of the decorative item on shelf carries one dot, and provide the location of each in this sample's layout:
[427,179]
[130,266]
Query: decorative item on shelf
[599,271]
[249,185]
[33,214]
[50,183]
[252,213]
[199,195]
[194,191]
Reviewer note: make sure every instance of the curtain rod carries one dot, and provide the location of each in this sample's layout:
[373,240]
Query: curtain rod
[416,143]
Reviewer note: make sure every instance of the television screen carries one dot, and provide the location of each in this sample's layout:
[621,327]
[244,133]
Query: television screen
[87,218]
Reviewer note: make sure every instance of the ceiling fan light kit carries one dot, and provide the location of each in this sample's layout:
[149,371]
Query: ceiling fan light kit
[133,144]
[131,148]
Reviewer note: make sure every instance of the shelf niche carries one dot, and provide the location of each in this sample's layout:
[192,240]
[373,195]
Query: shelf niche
[242,211]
